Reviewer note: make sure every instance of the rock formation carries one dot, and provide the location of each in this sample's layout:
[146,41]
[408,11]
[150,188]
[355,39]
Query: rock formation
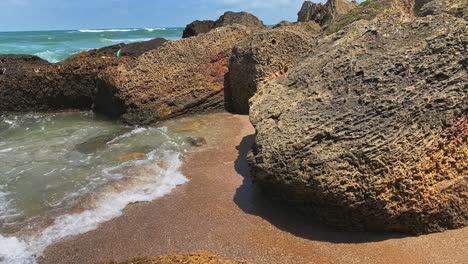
[185,76]
[323,13]
[198,27]
[28,83]
[371,129]
[192,258]
[130,50]
[227,19]
[264,56]
[457,8]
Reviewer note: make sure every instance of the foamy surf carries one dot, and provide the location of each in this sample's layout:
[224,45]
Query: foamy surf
[149,179]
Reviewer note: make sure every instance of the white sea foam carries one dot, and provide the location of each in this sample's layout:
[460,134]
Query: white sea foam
[134,132]
[126,40]
[6,150]
[106,30]
[148,180]
[154,29]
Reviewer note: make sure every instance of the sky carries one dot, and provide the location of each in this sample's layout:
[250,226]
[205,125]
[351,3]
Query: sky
[21,15]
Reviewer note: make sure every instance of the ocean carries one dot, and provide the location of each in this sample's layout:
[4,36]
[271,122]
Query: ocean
[56,46]
[64,173]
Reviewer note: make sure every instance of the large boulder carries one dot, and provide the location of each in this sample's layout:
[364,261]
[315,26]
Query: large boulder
[198,27]
[239,18]
[184,76]
[32,84]
[227,19]
[323,13]
[370,131]
[264,56]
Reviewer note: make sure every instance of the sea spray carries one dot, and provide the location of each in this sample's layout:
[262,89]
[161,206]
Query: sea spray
[159,174]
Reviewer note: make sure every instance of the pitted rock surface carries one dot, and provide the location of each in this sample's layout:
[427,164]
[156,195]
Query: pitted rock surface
[370,131]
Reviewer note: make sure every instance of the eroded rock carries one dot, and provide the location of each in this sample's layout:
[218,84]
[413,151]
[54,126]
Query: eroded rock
[198,27]
[185,76]
[323,13]
[265,56]
[370,131]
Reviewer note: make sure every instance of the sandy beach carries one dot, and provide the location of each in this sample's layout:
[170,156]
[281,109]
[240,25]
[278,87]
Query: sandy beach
[219,211]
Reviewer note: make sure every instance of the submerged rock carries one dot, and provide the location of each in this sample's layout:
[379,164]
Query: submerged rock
[94,144]
[196,141]
[370,131]
[264,56]
[181,77]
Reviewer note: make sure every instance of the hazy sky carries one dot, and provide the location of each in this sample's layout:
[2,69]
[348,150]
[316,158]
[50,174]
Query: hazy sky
[92,14]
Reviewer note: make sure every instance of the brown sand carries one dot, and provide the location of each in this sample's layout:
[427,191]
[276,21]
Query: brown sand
[220,211]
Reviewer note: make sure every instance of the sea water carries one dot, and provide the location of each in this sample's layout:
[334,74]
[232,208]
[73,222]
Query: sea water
[63,174]
[56,46]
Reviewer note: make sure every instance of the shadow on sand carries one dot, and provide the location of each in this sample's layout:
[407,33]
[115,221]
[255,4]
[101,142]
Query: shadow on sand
[251,201]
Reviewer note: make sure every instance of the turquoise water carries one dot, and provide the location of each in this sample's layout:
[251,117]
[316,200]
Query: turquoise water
[64,173]
[56,46]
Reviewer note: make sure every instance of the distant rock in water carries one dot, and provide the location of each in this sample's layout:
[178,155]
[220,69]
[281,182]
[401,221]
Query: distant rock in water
[131,50]
[264,56]
[94,144]
[181,77]
[198,27]
[323,13]
[229,18]
[370,130]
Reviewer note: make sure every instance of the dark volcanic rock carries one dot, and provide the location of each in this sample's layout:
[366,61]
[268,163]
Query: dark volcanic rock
[371,129]
[198,27]
[264,56]
[323,13]
[181,77]
[131,50]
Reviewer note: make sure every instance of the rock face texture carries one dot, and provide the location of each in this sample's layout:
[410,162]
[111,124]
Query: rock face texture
[192,258]
[323,13]
[264,56]
[198,27]
[185,76]
[457,8]
[227,19]
[370,131]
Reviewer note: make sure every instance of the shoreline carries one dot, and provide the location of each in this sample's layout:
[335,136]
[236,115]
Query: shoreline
[219,211]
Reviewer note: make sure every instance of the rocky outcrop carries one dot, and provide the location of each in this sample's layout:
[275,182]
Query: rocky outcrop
[370,131]
[323,13]
[181,77]
[130,50]
[457,8]
[227,19]
[28,83]
[198,27]
[264,56]
[192,258]
[240,18]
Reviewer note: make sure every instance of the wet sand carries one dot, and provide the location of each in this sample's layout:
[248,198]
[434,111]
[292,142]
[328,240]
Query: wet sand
[221,212]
